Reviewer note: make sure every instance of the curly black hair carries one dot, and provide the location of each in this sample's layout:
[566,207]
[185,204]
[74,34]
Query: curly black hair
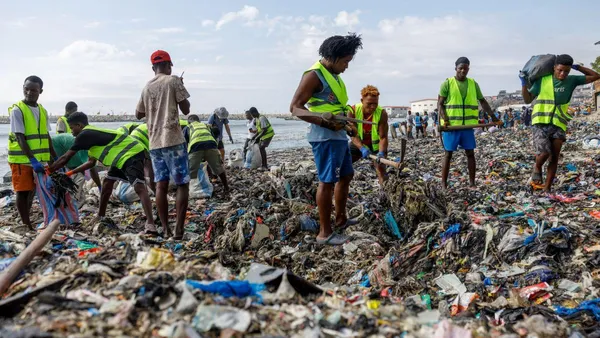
[338,46]
[564,59]
[35,79]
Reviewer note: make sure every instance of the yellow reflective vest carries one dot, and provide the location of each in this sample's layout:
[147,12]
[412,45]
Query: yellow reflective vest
[141,135]
[358,113]
[462,111]
[546,111]
[36,135]
[118,151]
[199,132]
[337,87]
[269,133]
[67,127]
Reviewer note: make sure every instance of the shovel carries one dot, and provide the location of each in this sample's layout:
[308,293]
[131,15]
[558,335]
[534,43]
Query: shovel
[397,165]
[470,126]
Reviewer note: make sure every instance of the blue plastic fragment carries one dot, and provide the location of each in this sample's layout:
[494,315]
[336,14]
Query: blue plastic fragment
[451,231]
[514,214]
[590,306]
[392,225]
[228,289]
[365,282]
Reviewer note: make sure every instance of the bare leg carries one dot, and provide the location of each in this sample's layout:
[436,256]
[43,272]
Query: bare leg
[24,206]
[149,172]
[471,166]
[181,204]
[107,188]
[380,173]
[324,196]
[341,197]
[140,190]
[446,168]
[553,165]
[162,204]
[540,159]
[263,154]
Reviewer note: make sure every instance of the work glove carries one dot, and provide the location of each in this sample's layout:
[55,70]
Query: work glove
[575,66]
[522,78]
[365,152]
[37,166]
[231,139]
[381,154]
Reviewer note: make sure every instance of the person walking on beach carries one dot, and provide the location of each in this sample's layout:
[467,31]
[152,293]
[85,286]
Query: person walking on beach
[29,144]
[370,138]
[264,134]
[550,116]
[458,104]
[202,147]
[425,122]
[219,120]
[159,104]
[123,154]
[322,90]
[61,124]
[435,119]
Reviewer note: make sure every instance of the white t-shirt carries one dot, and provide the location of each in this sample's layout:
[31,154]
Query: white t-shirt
[251,128]
[17,124]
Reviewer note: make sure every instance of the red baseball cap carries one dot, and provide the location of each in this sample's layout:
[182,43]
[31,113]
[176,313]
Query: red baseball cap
[160,56]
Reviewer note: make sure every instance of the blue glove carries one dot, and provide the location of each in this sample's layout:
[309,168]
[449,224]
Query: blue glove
[37,166]
[381,154]
[523,79]
[575,66]
[365,152]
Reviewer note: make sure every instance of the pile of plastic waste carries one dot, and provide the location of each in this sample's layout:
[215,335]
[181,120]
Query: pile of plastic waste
[499,260]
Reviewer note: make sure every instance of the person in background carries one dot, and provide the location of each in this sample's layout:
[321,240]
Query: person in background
[217,120]
[418,125]
[159,103]
[410,123]
[425,122]
[435,118]
[251,126]
[202,147]
[61,124]
[323,90]
[505,119]
[140,133]
[123,154]
[29,144]
[458,103]
[264,134]
[371,139]
[127,128]
[527,116]
[62,143]
[552,94]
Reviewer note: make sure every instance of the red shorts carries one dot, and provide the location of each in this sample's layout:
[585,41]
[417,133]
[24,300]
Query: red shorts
[22,177]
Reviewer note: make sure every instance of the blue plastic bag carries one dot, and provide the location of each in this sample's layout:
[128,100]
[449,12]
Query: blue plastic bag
[240,289]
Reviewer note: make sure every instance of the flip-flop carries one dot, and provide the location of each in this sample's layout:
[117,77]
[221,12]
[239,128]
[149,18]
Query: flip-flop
[536,177]
[148,232]
[349,222]
[333,239]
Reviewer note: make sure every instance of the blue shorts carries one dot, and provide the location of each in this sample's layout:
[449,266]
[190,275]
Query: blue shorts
[463,138]
[171,162]
[333,160]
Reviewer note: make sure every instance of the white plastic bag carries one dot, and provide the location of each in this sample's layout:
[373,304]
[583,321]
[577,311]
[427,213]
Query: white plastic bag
[125,193]
[253,157]
[236,158]
[201,187]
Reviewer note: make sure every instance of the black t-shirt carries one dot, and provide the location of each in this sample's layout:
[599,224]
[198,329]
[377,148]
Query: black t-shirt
[91,138]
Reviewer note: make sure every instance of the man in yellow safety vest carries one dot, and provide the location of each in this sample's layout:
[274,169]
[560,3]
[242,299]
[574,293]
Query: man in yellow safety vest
[371,138]
[123,154]
[264,134]
[62,126]
[322,90]
[29,144]
[550,114]
[458,104]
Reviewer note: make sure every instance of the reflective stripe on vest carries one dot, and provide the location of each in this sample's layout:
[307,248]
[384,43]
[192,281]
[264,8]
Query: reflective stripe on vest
[183,123]
[67,128]
[141,135]
[358,113]
[198,133]
[545,111]
[270,132]
[36,135]
[458,110]
[118,151]
[337,87]
[127,128]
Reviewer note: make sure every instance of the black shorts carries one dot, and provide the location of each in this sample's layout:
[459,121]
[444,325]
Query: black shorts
[265,143]
[132,171]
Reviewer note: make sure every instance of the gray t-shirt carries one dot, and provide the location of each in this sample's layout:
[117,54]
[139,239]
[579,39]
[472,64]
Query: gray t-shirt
[17,124]
[410,119]
[61,127]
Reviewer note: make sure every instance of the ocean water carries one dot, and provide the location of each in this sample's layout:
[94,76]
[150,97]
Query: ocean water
[288,134]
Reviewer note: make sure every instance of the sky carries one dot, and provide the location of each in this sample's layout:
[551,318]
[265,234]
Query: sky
[239,54]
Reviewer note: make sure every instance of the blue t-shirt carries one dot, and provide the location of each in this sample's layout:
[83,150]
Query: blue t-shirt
[319,134]
[216,121]
[418,121]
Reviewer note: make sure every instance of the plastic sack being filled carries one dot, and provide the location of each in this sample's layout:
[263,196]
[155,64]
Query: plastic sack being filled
[63,208]
[125,193]
[201,187]
[253,157]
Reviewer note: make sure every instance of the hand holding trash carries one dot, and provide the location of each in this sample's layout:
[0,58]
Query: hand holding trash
[37,166]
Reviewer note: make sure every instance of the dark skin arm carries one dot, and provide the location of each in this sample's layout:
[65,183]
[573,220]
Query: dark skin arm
[52,151]
[487,109]
[184,106]
[95,177]
[62,161]
[590,74]
[309,85]
[527,96]
[24,146]
[442,110]
[383,132]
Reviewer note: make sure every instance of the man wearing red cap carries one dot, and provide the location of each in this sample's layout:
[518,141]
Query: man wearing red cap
[159,104]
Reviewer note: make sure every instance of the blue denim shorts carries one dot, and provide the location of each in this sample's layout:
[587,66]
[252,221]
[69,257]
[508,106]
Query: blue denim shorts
[171,162]
[333,160]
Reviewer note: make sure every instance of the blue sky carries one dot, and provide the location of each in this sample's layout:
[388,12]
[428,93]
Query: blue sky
[239,54]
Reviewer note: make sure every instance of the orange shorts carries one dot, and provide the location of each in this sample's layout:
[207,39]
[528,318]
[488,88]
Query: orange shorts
[22,177]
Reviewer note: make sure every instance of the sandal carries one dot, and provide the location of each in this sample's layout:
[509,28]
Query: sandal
[333,239]
[536,178]
[349,222]
[150,230]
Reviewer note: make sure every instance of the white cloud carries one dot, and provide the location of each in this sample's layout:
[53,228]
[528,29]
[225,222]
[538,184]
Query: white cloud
[92,50]
[208,23]
[345,19]
[22,22]
[137,20]
[92,24]
[219,58]
[248,13]
[167,30]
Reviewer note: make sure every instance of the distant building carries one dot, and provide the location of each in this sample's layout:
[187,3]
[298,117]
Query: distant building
[396,111]
[423,105]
